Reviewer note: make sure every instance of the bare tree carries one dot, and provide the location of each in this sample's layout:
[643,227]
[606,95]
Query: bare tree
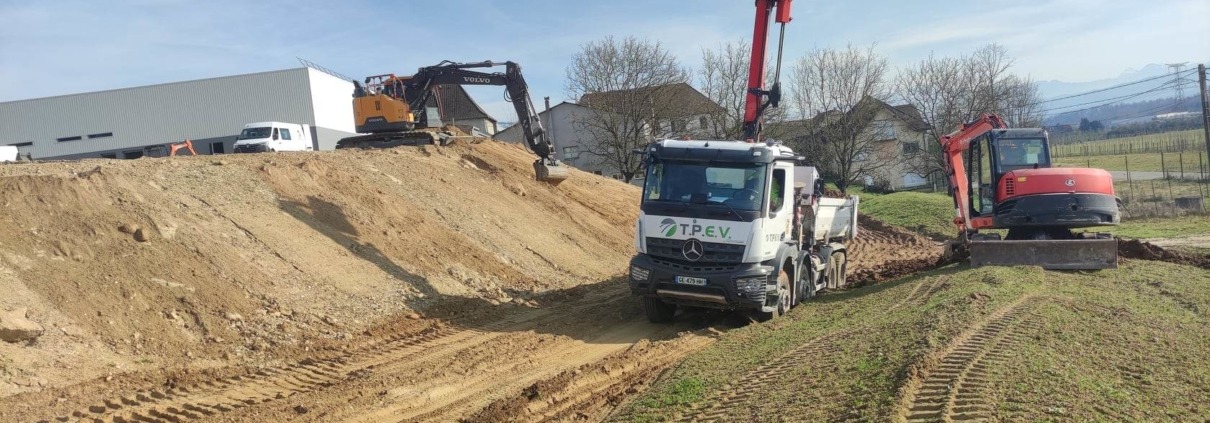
[622,83]
[951,91]
[723,78]
[841,92]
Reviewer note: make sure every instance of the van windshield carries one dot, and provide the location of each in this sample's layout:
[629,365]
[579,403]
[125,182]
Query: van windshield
[254,133]
[737,185]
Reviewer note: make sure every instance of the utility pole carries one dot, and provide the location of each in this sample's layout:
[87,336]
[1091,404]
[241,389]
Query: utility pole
[1201,81]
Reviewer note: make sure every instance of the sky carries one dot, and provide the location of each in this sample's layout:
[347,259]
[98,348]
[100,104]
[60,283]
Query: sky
[62,47]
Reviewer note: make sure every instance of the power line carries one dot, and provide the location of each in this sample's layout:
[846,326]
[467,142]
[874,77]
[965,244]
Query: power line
[1108,101]
[1106,88]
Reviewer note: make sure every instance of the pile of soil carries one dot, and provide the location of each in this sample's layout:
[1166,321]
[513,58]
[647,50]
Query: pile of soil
[1135,249]
[213,260]
[882,252]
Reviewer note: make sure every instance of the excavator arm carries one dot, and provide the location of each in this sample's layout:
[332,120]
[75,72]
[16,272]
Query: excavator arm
[953,146]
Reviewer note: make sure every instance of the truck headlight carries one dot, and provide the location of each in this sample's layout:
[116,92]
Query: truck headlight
[639,273]
[752,285]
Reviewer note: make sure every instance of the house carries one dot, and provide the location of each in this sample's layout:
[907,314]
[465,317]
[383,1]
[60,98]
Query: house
[451,105]
[566,133]
[676,110]
[896,139]
[666,111]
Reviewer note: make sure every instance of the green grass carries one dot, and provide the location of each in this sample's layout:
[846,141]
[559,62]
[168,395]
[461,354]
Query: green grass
[1140,162]
[930,214]
[1124,344]
[1172,141]
[1167,227]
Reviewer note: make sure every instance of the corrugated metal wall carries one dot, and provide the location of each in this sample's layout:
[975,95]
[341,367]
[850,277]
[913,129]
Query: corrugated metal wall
[159,114]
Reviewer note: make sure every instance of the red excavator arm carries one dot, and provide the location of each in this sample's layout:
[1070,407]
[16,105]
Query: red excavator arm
[758,99]
[953,146]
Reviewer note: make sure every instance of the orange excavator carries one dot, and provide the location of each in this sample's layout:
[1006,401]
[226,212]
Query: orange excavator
[1002,178]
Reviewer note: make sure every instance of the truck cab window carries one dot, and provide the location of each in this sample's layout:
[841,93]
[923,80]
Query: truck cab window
[777,190]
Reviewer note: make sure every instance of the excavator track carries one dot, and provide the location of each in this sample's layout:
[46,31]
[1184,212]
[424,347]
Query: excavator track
[394,139]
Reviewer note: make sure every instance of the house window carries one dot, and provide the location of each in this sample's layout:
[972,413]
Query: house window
[701,120]
[861,156]
[101,135]
[911,147]
[570,153]
[65,139]
[884,130]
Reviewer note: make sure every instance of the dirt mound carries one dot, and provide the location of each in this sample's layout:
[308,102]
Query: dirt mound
[883,252]
[207,261]
[1135,249]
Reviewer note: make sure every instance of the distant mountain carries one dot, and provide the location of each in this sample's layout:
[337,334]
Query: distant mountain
[1157,84]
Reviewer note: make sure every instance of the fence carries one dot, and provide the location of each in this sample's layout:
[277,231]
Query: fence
[1147,144]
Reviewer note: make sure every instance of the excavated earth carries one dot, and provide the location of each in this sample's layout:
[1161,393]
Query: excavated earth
[411,284]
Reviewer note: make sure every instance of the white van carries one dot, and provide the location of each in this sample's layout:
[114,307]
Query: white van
[8,153]
[274,136]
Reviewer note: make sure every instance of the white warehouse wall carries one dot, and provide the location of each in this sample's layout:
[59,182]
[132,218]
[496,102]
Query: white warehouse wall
[332,104]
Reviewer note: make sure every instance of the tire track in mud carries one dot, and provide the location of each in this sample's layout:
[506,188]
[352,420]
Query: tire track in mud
[213,397]
[821,350]
[954,390]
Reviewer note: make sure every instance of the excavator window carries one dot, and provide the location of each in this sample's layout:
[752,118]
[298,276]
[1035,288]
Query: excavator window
[980,172]
[1021,153]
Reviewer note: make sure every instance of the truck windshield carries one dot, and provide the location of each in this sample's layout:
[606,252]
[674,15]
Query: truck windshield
[1021,153]
[254,133]
[737,185]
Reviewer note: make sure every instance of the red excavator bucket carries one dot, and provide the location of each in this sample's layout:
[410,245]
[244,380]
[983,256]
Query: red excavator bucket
[1053,254]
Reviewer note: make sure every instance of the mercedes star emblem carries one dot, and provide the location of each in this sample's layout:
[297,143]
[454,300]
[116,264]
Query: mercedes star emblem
[692,250]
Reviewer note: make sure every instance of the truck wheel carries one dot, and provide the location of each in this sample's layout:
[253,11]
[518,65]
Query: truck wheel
[840,264]
[783,299]
[657,310]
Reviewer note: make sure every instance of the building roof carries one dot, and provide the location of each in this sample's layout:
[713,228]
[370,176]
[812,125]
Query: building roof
[456,104]
[676,100]
[910,115]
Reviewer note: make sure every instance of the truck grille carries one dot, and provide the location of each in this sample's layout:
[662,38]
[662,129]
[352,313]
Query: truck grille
[716,254]
[695,267]
[249,148]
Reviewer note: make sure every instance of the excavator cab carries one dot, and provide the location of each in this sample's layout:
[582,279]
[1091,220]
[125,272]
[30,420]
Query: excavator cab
[381,106]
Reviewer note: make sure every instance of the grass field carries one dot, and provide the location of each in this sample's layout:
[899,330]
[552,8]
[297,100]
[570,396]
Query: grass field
[1151,143]
[930,214]
[1164,227]
[1010,344]
[1140,162]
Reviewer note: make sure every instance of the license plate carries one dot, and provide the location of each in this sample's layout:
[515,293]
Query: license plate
[691,280]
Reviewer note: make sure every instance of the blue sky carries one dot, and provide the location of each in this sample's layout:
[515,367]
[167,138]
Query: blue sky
[62,47]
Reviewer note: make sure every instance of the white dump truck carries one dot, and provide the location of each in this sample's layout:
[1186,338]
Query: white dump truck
[260,137]
[737,226]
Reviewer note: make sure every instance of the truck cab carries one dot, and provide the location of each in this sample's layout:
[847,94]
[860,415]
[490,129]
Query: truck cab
[730,225]
[260,137]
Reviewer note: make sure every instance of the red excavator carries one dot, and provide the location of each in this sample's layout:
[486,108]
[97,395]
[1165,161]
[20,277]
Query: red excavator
[1002,178]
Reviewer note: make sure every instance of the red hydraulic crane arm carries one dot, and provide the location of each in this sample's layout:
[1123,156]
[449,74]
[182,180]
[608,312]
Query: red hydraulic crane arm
[755,104]
[953,146]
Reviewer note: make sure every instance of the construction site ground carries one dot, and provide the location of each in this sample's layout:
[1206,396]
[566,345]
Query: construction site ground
[443,283]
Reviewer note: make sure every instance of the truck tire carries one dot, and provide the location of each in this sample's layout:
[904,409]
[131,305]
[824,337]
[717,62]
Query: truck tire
[783,299]
[838,266]
[657,310]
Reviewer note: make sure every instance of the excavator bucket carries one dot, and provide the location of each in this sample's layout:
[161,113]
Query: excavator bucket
[551,174]
[1066,254]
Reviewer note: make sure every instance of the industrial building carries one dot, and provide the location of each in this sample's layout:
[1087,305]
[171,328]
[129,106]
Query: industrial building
[131,122]
[209,112]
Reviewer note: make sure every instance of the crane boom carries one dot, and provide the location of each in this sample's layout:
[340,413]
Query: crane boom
[757,98]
